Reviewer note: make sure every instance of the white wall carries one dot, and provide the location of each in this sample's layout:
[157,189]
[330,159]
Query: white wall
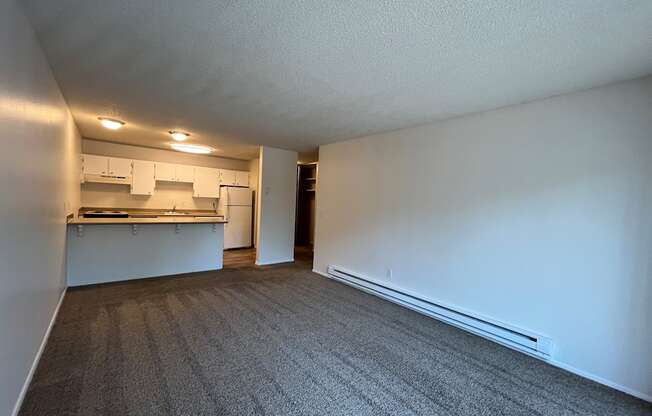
[309,157]
[39,172]
[167,195]
[538,215]
[277,205]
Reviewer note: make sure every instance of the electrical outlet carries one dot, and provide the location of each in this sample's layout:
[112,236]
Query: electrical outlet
[388,273]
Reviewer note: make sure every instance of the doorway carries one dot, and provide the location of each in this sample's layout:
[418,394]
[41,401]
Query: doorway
[304,236]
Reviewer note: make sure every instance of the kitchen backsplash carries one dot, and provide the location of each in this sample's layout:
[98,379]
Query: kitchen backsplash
[168,194]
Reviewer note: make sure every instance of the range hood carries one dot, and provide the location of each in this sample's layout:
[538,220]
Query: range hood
[120,180]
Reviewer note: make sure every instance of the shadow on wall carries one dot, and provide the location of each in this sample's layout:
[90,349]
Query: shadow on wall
[536,215]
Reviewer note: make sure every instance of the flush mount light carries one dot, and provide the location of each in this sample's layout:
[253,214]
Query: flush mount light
[191,148]
[179,135]
[111,123]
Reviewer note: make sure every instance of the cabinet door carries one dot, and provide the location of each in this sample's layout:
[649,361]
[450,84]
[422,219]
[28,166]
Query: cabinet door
[143,178]
[228,177]
[206,183]
[242,178]
[164,171]
[119,167]
[95,165]
[185,173]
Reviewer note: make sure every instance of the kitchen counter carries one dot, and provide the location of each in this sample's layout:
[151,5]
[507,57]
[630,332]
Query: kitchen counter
[103,250]
[159,219]
[149,216]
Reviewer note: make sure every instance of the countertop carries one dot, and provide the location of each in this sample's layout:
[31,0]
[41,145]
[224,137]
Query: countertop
[165,219]
[151,217]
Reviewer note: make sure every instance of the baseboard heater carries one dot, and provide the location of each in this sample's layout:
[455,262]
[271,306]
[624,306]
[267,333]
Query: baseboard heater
[522,340]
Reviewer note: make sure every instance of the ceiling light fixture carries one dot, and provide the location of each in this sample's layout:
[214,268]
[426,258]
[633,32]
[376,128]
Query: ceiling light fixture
[111,123]
[179,135]
[191,148]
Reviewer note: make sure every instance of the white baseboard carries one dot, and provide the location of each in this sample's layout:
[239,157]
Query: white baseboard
[559,364]
[37,358]
[600,380]
[269,263]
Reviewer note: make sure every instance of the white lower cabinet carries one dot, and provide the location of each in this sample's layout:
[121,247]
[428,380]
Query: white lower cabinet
[143,179]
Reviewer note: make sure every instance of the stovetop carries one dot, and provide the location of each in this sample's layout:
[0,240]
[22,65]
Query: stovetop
[105,214]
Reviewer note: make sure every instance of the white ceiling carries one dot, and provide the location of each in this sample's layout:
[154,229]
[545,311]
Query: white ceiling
[296,74]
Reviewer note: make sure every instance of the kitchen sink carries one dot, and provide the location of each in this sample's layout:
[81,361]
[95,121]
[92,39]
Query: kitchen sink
[172,214]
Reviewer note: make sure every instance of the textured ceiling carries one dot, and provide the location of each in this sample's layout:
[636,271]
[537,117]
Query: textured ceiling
[296,74]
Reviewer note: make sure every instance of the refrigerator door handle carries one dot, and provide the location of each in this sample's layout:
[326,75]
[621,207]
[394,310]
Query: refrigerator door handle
[225,198]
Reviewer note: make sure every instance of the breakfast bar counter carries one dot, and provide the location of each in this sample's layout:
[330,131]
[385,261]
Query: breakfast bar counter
[151,220]
[102,250]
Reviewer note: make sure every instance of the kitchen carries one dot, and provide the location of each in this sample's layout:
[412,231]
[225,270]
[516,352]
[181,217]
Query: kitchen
[161,212]
[443,208]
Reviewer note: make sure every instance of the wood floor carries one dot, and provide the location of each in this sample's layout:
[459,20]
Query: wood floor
[239,257]
[246,257]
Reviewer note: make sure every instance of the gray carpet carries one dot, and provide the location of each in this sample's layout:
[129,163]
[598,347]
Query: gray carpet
[284,341]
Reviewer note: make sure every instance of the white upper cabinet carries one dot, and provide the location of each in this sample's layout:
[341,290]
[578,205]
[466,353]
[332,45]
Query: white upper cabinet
[165,172]
[143,179]
[174,173]
[234,178]
[142,175]
[242,178]
[95,165]
[227,177]
[185,173]
[120,167]
[108,166]
[207,183]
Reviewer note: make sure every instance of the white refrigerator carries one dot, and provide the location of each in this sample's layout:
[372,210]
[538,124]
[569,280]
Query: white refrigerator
[235,204]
